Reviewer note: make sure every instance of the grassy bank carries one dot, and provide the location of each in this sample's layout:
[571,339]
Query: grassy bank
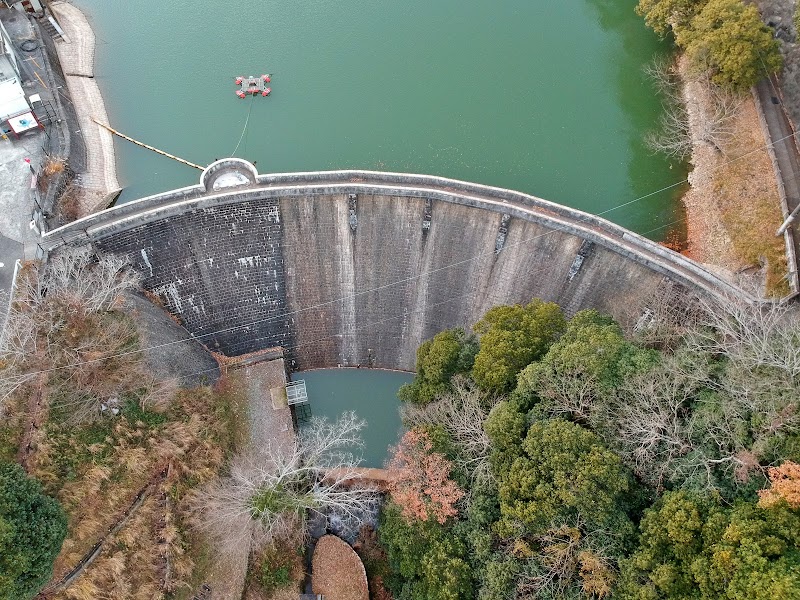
[733,207]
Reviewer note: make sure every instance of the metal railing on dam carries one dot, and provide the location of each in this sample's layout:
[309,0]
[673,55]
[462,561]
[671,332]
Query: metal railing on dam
[331,183]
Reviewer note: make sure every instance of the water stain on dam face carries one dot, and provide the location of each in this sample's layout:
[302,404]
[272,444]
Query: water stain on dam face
[546,97]
[347,268]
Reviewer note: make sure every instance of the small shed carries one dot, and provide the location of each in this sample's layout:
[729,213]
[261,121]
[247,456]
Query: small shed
[16,115]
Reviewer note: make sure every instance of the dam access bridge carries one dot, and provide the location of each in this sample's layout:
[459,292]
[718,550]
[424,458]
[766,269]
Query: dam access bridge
[360,267]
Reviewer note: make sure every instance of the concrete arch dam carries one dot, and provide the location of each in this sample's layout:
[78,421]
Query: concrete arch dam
[359,267]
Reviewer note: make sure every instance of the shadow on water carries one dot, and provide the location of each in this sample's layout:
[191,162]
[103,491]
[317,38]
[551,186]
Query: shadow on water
[638,48]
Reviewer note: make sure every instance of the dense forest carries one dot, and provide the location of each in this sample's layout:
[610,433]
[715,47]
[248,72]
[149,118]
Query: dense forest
[549,457]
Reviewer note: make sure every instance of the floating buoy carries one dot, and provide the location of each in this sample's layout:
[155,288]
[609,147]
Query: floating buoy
[253,85]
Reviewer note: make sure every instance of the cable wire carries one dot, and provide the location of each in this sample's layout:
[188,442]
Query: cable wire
[244,129]
[417,276]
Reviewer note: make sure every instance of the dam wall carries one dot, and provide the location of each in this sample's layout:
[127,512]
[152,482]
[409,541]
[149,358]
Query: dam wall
[358,268]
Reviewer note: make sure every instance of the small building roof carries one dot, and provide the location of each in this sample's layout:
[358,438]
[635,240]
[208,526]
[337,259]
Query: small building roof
[12,99]
[7,70]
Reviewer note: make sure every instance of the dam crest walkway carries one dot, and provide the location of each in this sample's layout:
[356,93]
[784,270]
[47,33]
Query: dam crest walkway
[515,204]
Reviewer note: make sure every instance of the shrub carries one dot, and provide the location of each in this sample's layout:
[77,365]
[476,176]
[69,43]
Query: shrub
[32,529]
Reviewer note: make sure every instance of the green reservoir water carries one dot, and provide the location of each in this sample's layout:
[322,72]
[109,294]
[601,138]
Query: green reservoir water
[371,393]
[543,96]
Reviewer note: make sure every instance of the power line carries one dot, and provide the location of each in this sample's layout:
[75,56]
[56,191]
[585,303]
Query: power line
[418,276]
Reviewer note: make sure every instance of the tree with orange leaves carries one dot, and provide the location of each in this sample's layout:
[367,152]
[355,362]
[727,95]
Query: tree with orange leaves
[785,481]
[420,482]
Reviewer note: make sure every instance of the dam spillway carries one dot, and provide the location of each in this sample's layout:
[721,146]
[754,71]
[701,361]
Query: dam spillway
[359,267]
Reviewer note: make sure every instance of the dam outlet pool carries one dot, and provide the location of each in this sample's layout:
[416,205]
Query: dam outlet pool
[371,393]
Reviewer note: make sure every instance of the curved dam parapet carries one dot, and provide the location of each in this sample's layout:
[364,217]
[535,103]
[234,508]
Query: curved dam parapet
[360,267]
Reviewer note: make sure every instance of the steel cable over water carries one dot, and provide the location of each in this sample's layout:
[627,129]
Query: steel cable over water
[244,129]
[399,281]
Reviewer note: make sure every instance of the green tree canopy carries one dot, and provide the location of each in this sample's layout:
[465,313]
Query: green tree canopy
[438,359]
[512,337]
[505,427]
[565,475]
[577,369]
[428,557]
[500,578]
[729,40]
[693,548]
[32,529]
[663,16]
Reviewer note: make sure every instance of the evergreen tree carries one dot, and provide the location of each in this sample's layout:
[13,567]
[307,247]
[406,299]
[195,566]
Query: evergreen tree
[692,547]
[731,42]
[32,529]
[511,338]
[438,359]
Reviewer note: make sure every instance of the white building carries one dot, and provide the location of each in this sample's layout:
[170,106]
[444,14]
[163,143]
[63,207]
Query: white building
[16,115]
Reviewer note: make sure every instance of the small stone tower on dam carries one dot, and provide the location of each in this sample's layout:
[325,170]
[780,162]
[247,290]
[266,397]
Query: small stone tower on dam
[359,267]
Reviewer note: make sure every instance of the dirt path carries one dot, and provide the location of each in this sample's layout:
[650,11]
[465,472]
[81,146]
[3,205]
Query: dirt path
[270,422]
[159,474]
[36,411]
[733,205]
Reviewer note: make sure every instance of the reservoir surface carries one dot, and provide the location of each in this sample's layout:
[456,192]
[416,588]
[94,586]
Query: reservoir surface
[539,96]
[371,393]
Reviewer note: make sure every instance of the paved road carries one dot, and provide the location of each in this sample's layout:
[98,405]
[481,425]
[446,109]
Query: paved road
[17,240]
[785,147]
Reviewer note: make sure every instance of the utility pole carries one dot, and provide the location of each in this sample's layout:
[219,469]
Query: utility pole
[787,222]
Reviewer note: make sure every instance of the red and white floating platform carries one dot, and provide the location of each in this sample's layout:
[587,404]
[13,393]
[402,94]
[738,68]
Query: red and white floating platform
[253,85]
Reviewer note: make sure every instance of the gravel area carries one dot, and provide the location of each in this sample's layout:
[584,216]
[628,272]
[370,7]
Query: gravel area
[270,416]
[338,573]
[169,349]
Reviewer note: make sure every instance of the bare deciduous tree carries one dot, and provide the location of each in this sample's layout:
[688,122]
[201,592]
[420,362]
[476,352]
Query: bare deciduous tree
[85,281]
[755,335]
[681,127]
[269,491]
[462,413]
[650,415]
[568,559]
[686,421]
[56,328]
[664,317]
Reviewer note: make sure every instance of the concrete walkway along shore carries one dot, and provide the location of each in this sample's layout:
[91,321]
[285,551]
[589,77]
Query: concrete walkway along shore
[76,54]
